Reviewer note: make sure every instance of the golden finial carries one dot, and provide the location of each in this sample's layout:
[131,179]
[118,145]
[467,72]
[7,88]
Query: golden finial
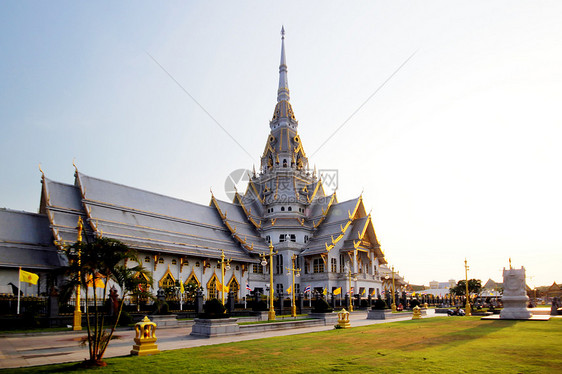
[74,164]
[510,263]
[41,170]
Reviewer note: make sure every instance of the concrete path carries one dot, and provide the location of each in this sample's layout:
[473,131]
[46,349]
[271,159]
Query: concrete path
[23,350]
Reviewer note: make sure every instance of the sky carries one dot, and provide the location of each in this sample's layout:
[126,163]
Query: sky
[444,114]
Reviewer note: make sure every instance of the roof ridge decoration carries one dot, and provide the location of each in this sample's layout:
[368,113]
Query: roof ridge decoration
[318,184]
[324,214]
[247,212]
[243,243]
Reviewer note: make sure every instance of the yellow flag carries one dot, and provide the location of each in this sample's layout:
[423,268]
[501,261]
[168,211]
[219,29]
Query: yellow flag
[26,276]
[98,282]
[325,292]
[364,290]
[413,294]
[221,287]
[182,290]
[290,289]
[337,291]
[374,292]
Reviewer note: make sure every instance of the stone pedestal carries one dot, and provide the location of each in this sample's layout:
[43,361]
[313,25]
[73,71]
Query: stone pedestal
[165,321]
[514,299]
[215,327]
[328,318]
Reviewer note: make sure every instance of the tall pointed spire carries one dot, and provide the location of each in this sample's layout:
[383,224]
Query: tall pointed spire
[283,91]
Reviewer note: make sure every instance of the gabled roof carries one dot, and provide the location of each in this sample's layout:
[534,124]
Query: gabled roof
[345,227]
[63,206]
[26,241]
[234,218]
[153,222]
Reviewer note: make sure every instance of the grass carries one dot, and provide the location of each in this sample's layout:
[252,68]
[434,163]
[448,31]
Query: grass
[433,345]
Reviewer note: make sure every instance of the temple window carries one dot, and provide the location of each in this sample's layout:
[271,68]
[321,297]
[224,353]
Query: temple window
[282,208]
[257,269]
[318,265]
[161,260]
[284,163]
[290,209]
[268,239]
[293,238]
[281,238]
[279,264]
[147,259]
[306,238]
[197,264]
[342,264]
[334,265]
[174,261]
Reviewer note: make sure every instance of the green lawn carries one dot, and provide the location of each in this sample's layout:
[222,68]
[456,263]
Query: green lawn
[433,345]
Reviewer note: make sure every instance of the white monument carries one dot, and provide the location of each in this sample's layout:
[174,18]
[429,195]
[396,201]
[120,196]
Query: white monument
[514,297]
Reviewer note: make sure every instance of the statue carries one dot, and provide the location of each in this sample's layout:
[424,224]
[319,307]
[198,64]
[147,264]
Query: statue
[113,302]
[514,297]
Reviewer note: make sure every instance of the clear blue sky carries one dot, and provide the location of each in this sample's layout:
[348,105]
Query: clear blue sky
[458,154]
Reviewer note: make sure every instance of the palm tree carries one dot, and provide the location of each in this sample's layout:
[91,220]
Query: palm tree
[104,260]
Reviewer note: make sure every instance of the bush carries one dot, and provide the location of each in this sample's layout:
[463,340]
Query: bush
[414,303]
[162,307]
[260,306]
[321,306]
[213,309]
[125,319]
[379,304]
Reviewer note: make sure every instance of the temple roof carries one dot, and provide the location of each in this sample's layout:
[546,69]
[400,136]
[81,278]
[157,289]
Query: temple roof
[26,241]
[153,222]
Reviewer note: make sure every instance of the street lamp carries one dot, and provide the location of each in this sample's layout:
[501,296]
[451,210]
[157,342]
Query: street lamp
[292,271]
[351,277]
[225,265]
[467,306]
[393,306]
[77,320]
[271,313]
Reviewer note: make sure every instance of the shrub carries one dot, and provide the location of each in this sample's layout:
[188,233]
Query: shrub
[379,304]
[260,306]
[414,303]
[162,307]
[125,319]
[213,309]
[321,306]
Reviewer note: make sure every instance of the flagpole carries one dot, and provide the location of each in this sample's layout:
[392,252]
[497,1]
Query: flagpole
[19,289]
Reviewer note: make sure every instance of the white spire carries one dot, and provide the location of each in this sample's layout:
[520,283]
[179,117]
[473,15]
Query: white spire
[283,91]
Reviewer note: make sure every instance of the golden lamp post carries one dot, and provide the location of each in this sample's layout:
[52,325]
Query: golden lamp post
[264,256]
[467,307]
[351,277]
[292,271]
[393,306]
[225,265]
[77,320]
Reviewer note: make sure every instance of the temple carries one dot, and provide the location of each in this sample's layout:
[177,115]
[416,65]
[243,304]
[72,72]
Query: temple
[334,243]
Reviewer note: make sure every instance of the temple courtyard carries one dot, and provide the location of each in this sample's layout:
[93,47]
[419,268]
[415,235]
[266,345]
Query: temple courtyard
[431,344]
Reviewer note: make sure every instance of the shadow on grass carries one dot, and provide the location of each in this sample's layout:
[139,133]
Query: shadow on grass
[476,330]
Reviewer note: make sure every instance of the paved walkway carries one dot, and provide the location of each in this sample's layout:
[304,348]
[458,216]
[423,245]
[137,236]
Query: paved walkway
[53,348]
